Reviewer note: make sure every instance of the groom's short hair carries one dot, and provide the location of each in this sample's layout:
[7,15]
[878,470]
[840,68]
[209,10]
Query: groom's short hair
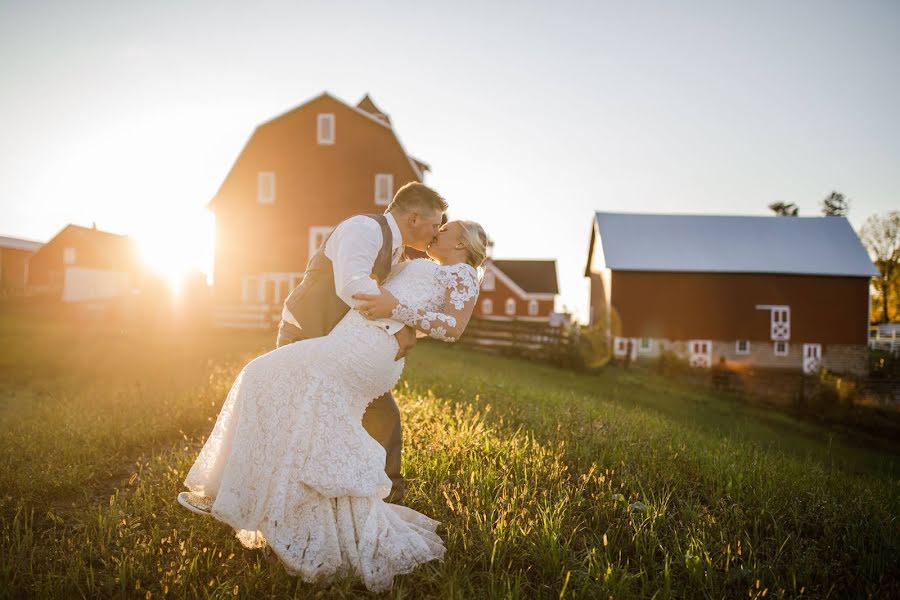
[418,198]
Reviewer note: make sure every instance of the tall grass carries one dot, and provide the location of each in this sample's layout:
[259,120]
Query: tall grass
[548,484]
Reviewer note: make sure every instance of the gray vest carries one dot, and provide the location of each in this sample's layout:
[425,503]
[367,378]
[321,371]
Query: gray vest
[314,303]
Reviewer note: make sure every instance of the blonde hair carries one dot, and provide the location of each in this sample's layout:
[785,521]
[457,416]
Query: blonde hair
[418,198]
[475,241]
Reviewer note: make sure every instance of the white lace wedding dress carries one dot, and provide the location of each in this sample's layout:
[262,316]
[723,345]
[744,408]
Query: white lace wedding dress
[288,463]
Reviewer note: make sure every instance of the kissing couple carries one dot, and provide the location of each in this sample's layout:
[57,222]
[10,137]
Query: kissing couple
[304,457]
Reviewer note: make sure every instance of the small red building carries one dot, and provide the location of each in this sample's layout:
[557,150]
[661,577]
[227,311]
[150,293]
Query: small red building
[518,289]
[14,256]
[781,292]
[84,263]
[298,176]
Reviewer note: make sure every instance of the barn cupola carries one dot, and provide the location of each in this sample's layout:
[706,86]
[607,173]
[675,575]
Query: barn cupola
[367,105]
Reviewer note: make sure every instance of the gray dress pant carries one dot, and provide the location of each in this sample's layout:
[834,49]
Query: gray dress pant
[381,420]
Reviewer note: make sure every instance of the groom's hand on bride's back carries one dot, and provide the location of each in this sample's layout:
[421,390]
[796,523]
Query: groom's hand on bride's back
[406,339]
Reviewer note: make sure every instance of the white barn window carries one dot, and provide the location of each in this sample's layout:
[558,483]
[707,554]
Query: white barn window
[69,255]
[325,129]
[781,322]
[317,237]
[646,345]
[487,284]
[265,187]
[781,348]
[487,306]
[384,189]
[742,347]
[510,306]
[532,308]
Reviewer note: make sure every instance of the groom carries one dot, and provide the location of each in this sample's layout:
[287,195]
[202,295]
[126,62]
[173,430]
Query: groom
[355,258]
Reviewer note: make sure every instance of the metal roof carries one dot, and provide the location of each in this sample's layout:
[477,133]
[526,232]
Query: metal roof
[732,244]
[19,244]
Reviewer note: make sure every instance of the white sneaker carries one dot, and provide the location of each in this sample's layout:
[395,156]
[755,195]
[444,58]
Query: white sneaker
[195,503]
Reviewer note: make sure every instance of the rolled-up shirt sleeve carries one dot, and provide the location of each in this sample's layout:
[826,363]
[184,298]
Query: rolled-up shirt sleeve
[352,249]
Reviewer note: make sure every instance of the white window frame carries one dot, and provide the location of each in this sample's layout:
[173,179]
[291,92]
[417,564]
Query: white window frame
[69,255]
[265,182]
[487,306]
[384,181]
[787,347]
[489,281]
[737,347]
[317,236]
[325,123]
[510,308]
[533,308]
[645,345]
[620,346]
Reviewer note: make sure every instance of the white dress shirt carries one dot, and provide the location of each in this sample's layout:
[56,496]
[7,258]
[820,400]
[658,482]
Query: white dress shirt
[352,249]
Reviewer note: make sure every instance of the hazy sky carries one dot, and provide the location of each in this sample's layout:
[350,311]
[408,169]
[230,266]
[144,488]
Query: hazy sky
[532,115]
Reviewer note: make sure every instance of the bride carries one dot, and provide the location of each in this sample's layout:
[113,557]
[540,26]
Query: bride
[288,464]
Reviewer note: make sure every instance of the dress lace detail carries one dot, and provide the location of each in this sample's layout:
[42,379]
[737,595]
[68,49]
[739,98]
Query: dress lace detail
[453,297]
[288,463]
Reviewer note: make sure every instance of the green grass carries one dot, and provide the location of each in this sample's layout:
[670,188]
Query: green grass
[533,472]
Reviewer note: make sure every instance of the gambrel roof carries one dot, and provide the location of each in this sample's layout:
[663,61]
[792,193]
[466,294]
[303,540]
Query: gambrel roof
[729,244]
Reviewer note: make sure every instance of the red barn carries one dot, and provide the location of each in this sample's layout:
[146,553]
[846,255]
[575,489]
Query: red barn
[518,289]
[783,292]
[298,176]
[81,263]
[14,256]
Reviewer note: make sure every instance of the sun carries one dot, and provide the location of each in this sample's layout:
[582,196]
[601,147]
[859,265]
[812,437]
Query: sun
[175,249]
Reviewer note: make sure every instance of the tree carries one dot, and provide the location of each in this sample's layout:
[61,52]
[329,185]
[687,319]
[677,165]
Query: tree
[835,205]
[784,210]
[880,234]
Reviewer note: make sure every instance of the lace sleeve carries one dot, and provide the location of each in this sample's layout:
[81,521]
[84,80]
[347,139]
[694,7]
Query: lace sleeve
[461,292]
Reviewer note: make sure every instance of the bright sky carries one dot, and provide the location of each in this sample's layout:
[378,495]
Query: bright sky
[532,115]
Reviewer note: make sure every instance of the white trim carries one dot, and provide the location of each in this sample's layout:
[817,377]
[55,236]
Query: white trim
[314,233]
[787,347]
[487,306]
[69,255]
[388,180]
[645,348]
[322,118]
[515,287]
[533,308]
[737,347]
[265,181]
[510,309]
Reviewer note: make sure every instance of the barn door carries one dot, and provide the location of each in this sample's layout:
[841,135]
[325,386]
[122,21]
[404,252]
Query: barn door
[700,353]
[812,357]
[781,322]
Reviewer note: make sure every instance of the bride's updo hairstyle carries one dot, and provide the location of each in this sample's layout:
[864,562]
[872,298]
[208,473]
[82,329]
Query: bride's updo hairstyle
[475,241]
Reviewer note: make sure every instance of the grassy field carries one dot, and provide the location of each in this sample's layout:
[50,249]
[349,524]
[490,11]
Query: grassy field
[549,484]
